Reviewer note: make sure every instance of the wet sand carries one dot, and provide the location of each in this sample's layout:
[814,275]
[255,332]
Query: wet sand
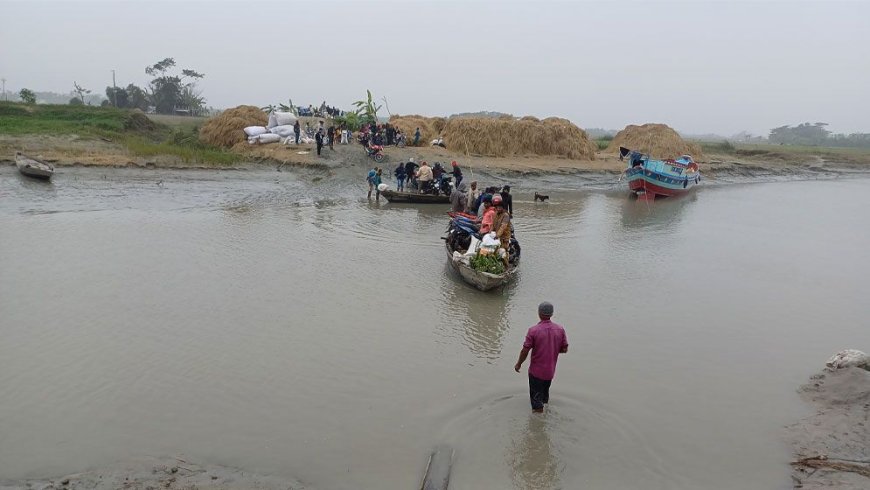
[169,473]
[831,446]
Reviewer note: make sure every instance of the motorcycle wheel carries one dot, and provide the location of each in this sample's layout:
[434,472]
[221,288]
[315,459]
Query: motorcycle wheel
[379,157]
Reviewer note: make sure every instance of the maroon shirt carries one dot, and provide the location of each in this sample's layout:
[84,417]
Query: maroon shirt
[545,340]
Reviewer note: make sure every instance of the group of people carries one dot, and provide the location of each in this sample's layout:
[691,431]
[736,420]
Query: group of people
[322,111]
[423,177]
[493,209]
[325,136]
[469,200]
[381,134]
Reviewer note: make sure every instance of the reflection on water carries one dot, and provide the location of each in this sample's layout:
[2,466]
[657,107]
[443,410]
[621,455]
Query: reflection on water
[531,456]
[480,319]
[658,215]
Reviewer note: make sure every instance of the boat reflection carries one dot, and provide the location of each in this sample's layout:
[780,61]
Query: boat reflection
[479,319]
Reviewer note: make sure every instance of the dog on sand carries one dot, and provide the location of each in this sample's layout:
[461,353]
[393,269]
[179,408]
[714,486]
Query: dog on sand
[541,197]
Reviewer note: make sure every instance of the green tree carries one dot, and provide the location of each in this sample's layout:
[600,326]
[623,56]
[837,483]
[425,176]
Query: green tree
[81,91]
[367,108]
[136,98]
[27,96]
[75,101]
[117,96]
[168,92]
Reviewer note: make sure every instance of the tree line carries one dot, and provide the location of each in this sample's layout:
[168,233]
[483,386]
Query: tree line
[168,92]
[816,134]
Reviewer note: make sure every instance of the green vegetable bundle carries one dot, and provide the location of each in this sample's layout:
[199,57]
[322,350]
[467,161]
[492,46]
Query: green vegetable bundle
[488,263]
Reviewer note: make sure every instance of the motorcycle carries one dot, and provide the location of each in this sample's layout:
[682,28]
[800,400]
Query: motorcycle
[376,152]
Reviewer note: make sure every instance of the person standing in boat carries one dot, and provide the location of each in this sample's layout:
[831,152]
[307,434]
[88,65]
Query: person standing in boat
[424,177]
[473,194]
[456,172]
[507,199]
[546,341]
[411,171]
[400,177]
[459,198]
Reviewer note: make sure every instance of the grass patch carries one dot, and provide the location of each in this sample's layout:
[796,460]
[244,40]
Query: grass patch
[604,141]
[718,147]
[142,135]
[189,154]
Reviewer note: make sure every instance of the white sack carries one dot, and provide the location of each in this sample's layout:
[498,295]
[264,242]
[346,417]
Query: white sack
[285,118]
[272,121]
[283,131]
[491,241]
[255,130]
[264,138]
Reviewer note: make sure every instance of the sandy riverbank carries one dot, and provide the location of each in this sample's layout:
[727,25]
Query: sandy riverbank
[72,150]
[153,473]
[831,446]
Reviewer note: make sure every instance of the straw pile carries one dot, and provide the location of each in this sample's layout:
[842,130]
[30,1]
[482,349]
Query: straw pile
[227,128]
[430,127]
[136,120]
[656,140]
[506,137]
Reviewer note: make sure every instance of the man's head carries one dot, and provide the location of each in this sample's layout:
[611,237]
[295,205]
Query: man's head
[474,184]
[454,163]
[506,188]
[545,310]
[412,160]
[487,200]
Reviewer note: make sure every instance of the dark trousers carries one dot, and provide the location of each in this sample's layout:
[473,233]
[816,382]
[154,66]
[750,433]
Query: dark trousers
[539,391]
[297,138]
[319,147]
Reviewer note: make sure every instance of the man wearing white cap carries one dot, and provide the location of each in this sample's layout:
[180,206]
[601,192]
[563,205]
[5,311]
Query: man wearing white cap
[546,341]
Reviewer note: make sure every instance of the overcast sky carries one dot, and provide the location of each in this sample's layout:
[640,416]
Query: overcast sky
[698,66]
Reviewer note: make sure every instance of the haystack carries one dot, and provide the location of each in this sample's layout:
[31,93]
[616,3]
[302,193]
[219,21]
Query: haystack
[227,128]
[430,127]
[506,137]
[136,120]
[656,140]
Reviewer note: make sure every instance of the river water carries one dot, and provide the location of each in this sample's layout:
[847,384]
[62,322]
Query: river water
[286,325]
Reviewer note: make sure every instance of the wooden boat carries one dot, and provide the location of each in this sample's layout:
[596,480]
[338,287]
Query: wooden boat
[32,167]
[459,227]
[483,281]
[650,178]
[416,198]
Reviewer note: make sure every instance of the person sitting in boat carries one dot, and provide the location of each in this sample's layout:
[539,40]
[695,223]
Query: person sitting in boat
[424,177]
[501,222]
[459,198]
[488,213]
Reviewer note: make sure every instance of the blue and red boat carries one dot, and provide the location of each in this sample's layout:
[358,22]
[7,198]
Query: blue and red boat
[649,178]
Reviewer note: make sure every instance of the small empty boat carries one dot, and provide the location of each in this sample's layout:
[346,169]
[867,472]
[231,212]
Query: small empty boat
[32,167]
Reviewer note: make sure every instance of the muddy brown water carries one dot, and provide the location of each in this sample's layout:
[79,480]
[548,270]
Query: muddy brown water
[293,328]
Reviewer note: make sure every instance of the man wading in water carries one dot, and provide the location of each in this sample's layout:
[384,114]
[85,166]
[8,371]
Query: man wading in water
[546,340]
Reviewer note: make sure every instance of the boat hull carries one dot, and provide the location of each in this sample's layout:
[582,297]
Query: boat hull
[649,184]
[33,168]
[480,280]
[415,198]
